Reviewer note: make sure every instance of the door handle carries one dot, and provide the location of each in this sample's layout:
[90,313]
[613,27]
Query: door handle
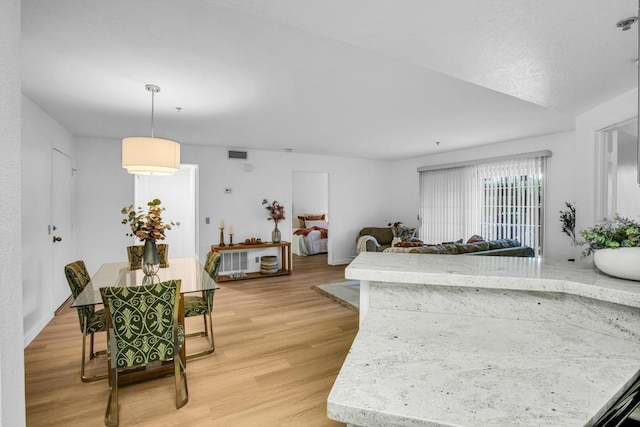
[57,239]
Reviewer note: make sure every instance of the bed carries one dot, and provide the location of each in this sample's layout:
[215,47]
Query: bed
[310,236]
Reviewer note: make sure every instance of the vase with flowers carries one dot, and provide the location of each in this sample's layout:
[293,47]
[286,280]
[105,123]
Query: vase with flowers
[149,228]
[276,214]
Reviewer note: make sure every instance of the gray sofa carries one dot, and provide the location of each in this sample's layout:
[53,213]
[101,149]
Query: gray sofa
[501,247]
[382,238]
[378,239]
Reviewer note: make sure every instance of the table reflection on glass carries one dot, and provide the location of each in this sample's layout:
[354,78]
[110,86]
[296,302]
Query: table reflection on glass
[189,270]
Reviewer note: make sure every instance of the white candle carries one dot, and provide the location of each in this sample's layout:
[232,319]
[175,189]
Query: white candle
[231,229]
[222,223]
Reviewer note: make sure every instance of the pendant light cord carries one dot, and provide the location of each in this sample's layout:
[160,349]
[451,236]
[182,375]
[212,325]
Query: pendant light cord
[153,92]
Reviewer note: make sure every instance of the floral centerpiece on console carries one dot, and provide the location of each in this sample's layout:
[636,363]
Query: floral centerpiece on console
[149,228]
[276,214]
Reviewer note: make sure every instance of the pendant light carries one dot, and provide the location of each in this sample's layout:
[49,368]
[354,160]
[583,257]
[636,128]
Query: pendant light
[150,156]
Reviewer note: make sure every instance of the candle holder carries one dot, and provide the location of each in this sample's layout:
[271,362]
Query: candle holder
[230,239]
[222,237]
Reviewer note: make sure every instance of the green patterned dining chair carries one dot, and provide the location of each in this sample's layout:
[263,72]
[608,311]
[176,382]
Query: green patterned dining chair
[203,306]
[135,254]
[144,325]
[91,320]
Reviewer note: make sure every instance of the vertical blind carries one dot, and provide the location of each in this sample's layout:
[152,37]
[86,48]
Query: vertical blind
[497,200]
[447,205]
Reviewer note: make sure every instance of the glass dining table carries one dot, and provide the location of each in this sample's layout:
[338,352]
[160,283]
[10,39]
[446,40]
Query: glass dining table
[193,278]
[189,270]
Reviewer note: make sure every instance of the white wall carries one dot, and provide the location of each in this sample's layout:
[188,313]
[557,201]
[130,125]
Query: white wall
[11,333]
[103,188]
[40,135]
[405,198]
[309,193]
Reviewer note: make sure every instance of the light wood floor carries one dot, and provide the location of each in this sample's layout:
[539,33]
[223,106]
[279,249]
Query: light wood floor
[279,347]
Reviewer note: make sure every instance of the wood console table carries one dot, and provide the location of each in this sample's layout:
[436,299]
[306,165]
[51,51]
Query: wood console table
[285,258]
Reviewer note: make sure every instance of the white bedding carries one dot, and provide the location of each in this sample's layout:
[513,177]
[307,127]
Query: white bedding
[311,244]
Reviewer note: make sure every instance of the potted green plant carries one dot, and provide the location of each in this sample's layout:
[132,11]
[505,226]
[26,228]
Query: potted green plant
[614,243]
[568,220]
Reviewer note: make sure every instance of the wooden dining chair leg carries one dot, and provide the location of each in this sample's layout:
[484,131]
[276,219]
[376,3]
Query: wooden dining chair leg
[91,354]
[83,377]
[208,332]
[213,343]
[111,416]
[180,380]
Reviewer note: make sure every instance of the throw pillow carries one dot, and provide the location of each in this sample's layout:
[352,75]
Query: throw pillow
[406,234]
[301,221]
[475,238]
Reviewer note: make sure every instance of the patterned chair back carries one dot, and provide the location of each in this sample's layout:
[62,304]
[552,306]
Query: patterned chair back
[78,277]
[212,266]
[135,254]
[143,323]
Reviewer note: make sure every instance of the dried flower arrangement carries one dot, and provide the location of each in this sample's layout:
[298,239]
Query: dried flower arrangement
[275,209]
[147,226]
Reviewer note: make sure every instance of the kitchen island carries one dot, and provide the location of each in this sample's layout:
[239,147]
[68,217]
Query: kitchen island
[486,341]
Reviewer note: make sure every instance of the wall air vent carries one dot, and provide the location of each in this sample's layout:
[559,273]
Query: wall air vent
[234,154]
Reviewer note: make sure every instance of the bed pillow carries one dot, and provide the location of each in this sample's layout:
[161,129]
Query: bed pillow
[309,217]
[320,224]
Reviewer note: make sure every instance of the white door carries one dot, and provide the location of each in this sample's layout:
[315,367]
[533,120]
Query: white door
[61,225]
[178,195]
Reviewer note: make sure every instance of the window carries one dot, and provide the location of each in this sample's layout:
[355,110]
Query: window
[501,199]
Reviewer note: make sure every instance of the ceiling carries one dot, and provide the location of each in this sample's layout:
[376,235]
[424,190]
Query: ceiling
[375,79]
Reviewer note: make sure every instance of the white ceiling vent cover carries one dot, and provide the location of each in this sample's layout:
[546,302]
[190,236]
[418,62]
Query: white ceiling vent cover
[233,154]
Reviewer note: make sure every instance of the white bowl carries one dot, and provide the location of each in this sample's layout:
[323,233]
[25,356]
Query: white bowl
[619,262]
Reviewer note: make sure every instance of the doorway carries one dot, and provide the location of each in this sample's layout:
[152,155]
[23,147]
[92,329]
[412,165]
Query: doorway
[310,198]
[178,194]
[618,153]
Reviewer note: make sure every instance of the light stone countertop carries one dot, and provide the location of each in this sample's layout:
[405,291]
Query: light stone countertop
[486,341]
[530,274]
[423,369]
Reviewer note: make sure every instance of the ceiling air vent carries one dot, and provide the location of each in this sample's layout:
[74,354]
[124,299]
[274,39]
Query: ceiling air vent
[242,155]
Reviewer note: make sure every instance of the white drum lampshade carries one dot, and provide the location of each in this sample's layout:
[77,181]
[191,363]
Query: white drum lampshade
[150,156]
